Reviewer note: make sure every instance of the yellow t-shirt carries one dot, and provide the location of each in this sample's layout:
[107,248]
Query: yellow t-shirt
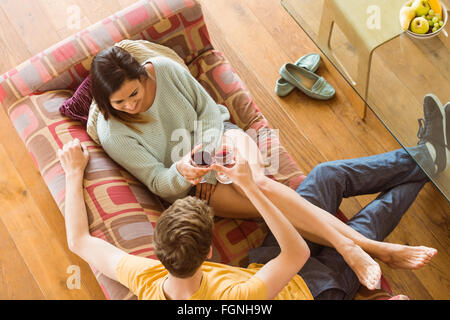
[145,278]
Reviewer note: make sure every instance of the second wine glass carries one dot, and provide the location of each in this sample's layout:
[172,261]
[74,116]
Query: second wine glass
[224,156]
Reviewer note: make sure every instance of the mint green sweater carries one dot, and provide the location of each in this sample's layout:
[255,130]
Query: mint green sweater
[183,114]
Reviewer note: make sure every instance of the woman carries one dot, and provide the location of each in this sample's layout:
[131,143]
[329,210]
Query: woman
[145,110]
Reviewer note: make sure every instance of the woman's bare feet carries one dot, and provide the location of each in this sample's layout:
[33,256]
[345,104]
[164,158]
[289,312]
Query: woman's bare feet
[405,257]
[366,269]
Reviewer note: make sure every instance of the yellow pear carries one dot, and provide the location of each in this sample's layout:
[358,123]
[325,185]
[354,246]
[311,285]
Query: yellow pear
[406,16]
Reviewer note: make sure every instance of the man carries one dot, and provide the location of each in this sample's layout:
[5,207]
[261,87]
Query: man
[398,179]
[183,237]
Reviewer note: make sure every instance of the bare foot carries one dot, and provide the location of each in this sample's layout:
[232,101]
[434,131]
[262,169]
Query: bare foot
[366,269]
[406,257]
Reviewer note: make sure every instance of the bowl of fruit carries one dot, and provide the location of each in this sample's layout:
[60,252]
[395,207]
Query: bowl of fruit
[423,19]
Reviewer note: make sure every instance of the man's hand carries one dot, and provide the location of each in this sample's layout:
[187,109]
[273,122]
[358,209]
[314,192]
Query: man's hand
[73,157]
[204,191]
[241,173]
[189,172]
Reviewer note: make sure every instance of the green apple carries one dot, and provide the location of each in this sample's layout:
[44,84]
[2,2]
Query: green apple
[420,25]
[421,7]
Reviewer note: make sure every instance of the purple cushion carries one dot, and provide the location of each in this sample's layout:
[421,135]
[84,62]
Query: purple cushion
[77,107]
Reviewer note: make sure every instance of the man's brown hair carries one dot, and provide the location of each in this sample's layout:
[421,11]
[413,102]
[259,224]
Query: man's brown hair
[183,236]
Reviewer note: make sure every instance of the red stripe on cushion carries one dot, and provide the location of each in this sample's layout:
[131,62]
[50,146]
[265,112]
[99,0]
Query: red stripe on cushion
[241,232]
[2,94]
[90,42]
[137,16]
[74,83]
[99,234]
[137,252]
[64,52]
[204,36]
[52,128]
[98,205]
[189,3]
[113,31]
[121,195]
[40,68]
[77,131]
[19,83]
[164,8]
[81,70]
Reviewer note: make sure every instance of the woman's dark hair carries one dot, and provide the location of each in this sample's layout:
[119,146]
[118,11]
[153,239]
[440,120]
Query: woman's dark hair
[109,70]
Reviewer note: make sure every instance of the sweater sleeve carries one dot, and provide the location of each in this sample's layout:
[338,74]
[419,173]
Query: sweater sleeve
[167,183]
[210,115]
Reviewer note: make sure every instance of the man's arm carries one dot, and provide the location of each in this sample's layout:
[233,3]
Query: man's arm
[294,251]
[100,254]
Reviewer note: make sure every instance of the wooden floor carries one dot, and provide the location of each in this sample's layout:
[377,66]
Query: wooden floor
[257,37]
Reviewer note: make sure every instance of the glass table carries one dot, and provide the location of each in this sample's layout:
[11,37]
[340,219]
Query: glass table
[391,72]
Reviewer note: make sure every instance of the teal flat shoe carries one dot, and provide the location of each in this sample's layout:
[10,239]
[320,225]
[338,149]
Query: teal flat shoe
[310,62]
[308,82]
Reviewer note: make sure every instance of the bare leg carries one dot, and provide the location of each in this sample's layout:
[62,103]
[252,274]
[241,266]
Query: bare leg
[395,255]
[300,212]
[314,223]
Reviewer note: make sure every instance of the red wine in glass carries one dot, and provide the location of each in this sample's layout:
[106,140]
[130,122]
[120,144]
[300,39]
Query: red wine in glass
[224,157]
[201,159]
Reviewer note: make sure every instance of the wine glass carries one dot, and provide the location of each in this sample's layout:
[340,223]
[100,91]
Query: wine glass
[201,159]
[224,156]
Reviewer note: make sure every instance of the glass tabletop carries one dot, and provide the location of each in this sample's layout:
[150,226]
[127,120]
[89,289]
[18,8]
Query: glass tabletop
[388,68]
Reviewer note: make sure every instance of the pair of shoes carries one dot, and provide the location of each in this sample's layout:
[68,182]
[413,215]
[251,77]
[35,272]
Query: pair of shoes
[301,76]
[434,131]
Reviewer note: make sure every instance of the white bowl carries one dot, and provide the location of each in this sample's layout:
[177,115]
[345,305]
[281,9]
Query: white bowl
[433,34]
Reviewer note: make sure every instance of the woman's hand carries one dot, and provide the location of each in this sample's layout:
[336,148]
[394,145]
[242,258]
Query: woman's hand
[73,157]
[204,191]
[189,172]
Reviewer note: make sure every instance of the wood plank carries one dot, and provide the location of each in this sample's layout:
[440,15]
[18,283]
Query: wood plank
[13,49]
[46,259]
[58,12]
[41,196]
[126,3]
[407,283]
[97,10]
[298,44]
[31,22]
[405,63]
[66,16]
[371,134]
[14,272]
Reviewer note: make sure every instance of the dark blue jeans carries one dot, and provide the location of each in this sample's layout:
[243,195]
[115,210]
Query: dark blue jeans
[394,174]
